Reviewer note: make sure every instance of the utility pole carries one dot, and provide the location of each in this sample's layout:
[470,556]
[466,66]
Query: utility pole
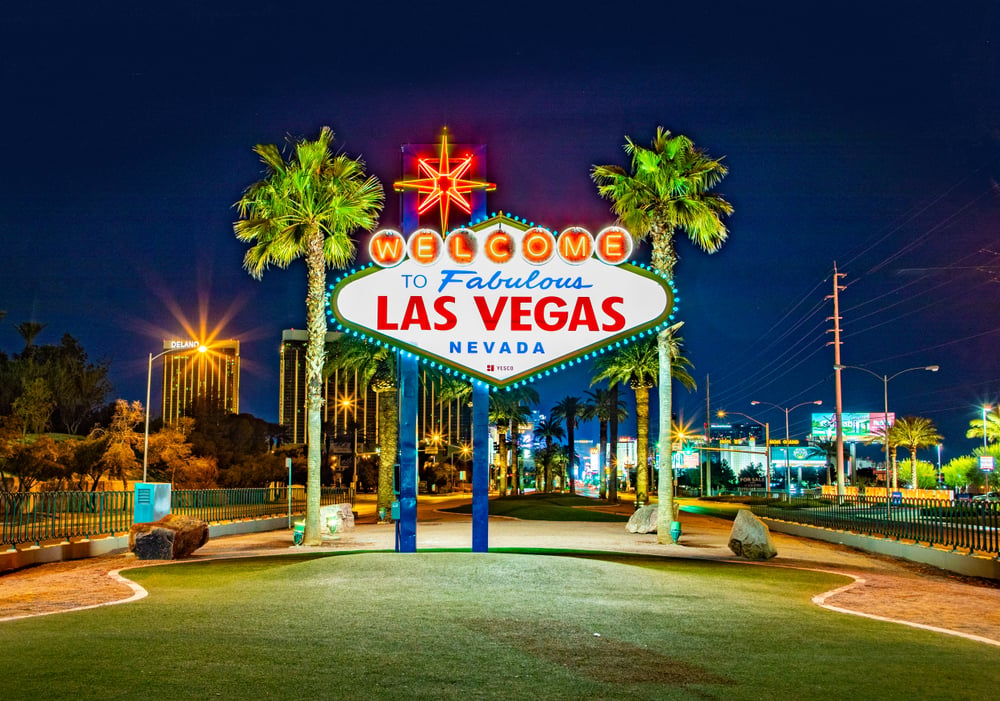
[708,438]
[837,368]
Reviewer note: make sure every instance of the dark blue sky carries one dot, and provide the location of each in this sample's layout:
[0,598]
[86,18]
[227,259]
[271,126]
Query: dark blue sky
[865,135]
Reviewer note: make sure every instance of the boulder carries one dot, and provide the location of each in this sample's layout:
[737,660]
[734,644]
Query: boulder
[172,537]
[335,517]
[751,538]
[643,520]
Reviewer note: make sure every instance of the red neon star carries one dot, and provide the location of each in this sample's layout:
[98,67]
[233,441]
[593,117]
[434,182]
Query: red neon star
[443,184]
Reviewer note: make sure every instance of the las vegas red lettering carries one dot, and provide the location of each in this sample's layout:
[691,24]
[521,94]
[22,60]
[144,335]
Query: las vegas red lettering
[518,313]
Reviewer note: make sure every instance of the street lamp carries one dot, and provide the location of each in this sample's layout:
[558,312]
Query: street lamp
[986,407]
[788,467]
[149,381]
[767,445]
[347,403]
[885,416]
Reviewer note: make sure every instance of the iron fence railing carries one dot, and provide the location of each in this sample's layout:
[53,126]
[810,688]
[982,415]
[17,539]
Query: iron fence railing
[961,524]
[37,517]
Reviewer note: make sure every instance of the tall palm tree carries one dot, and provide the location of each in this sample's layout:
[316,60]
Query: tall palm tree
[668,188]
[548,430]
[375,366]
[601,403]
[518,413]
[915,432]
[992,426]
[882,434]
[308,207]
[29,330]
[501,407]
[569,409]
[638,365]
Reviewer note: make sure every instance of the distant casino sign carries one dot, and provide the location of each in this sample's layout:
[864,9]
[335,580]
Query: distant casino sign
[502,301]
[183,344]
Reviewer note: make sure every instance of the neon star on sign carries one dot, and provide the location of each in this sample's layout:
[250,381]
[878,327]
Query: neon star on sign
[443,183]
[502,301]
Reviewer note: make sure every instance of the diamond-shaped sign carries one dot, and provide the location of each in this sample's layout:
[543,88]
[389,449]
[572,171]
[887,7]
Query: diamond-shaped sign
[501,301]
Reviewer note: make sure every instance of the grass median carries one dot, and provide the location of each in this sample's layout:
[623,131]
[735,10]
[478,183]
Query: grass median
[457,625]
[550,507]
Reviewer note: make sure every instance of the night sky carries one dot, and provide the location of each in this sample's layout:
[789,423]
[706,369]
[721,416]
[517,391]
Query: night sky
[862,133]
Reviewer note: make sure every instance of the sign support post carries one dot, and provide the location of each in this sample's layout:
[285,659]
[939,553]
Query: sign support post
[480,467]
[407,453]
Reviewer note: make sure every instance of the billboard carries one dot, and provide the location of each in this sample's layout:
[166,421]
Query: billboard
[859,427]
[502,301]
[802,456]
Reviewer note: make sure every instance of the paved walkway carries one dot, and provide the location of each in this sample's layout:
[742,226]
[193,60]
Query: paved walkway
[884,587]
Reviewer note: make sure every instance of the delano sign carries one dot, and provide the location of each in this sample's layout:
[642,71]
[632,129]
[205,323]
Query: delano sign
[502,301]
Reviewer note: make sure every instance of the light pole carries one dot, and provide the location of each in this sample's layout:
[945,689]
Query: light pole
[885,416]
[986,480]
[767,445]
[986,407]
[149,381]
[788,467]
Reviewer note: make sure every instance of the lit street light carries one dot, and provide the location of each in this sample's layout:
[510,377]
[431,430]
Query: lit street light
[986,407]
[885,417]
[788,468]
[149,381]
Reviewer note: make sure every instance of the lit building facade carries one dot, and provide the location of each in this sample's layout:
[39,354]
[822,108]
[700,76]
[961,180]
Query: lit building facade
[189,374]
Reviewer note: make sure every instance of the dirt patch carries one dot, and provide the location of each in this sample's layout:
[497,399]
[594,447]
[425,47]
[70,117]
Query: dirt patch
[595,656]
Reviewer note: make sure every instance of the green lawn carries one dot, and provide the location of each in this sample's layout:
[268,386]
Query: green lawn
[548,507]
[458,625]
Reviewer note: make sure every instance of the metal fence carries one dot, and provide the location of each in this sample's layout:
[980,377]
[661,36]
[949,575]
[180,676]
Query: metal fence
[961,524]
[37,517]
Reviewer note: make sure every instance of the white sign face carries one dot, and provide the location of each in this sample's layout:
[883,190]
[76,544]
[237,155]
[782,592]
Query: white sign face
[502,304]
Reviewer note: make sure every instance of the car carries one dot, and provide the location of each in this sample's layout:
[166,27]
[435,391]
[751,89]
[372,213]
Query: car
[989,496]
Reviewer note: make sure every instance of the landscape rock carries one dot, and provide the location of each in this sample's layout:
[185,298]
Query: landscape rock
[643,520]
[335,517]
[751,538]
[172,537]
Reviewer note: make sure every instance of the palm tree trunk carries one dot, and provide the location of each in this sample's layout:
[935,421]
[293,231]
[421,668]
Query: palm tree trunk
[913,466]
[316,325]
[602,467]
[502,459]
[642,445]
[515,488]
[388,446]
[571,465]
[613,441]
[665,486]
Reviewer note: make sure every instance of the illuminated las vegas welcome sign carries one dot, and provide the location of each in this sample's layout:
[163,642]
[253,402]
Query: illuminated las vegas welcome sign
[501,300]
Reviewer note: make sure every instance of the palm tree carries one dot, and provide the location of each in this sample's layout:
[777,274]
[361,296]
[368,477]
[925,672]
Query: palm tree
[883,433]
[515,405]
[638,365]
[375,366]
[915,432]
[499,415]
[549,430]
[992,426]
[668,188]
[600,405]
[308,207]
[29,330]
[570,410]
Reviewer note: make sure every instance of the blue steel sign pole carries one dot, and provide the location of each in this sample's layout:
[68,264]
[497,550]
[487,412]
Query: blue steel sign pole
[407,525]
[480,467]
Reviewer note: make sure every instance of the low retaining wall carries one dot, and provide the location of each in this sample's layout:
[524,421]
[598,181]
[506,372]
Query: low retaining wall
[951,560]
[78,550]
